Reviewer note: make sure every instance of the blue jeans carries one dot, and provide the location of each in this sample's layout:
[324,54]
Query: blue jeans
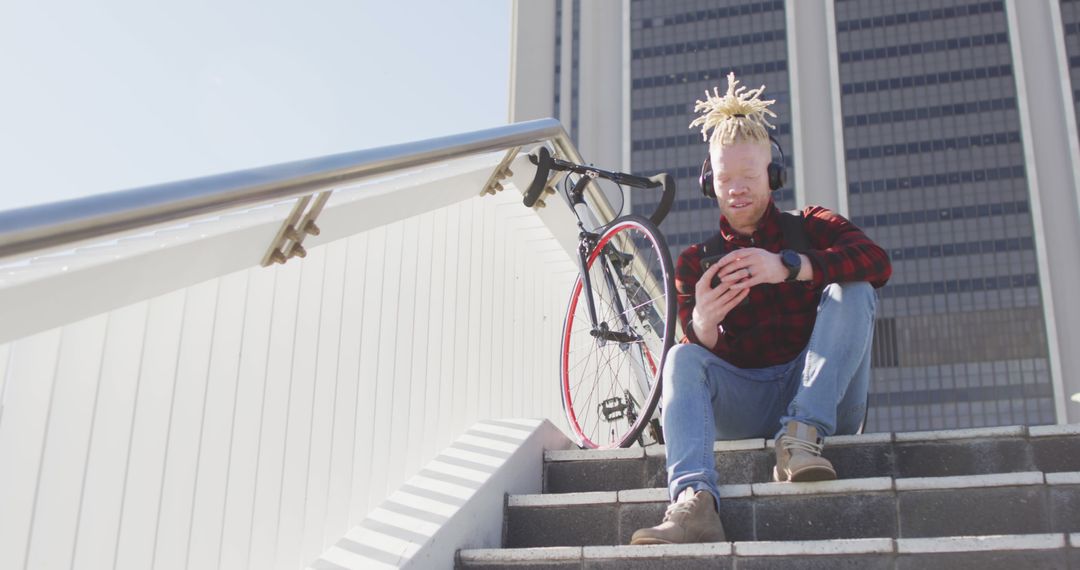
[706,398]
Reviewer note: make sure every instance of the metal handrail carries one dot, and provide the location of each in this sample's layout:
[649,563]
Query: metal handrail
[48,226]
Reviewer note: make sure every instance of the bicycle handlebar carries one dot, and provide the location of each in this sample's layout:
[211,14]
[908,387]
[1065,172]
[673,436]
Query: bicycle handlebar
[545,163]
[666,199]
[532,194]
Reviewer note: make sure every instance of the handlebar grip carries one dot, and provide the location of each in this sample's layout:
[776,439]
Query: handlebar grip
[536,187]
[665,180]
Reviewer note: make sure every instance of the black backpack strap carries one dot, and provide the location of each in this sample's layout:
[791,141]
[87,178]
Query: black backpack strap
[791,223]
[713,246]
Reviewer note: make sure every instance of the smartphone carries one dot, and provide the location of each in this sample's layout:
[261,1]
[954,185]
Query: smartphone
[706,263]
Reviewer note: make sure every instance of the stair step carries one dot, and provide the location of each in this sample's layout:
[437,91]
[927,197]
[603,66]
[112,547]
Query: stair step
[916,454]
[954,552]
[878,507]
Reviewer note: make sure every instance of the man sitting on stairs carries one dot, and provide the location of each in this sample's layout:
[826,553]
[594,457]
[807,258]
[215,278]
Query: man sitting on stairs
[778,332]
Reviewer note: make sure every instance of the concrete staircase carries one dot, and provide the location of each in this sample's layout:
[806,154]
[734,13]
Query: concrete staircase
[982,498]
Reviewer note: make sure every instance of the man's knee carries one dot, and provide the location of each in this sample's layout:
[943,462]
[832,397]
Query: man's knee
[686,352]
[855,293]
[683,358]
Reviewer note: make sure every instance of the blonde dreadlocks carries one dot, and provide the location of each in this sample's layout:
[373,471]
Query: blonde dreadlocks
[736,116]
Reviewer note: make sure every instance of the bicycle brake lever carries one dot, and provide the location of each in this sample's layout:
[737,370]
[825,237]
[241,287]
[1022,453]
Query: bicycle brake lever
[536,187]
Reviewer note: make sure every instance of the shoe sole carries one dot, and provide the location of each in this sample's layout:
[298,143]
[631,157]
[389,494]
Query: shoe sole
[648,541]
[807,475]
[644,541]
[811,474]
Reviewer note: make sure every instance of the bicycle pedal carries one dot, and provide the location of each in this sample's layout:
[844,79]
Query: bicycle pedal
[613,409]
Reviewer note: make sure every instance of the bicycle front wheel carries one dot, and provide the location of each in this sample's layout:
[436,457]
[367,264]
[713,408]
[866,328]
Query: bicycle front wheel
[610,366]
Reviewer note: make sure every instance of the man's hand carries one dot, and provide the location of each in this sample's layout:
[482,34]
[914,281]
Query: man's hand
[744,268]
[712,304]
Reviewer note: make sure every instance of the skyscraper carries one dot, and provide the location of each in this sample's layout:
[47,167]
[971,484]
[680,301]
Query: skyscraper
[936,174]
[945,129]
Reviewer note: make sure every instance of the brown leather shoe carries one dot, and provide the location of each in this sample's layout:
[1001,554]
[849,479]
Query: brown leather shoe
[798,456]
[691,518]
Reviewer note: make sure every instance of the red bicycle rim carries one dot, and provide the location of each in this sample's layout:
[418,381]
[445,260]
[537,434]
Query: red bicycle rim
[575,295]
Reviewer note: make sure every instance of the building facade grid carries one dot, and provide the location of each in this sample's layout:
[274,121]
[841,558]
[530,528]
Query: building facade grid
[933,153]
[678,51]
[931,125]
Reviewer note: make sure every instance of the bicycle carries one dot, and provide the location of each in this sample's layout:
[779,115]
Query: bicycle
[614,343]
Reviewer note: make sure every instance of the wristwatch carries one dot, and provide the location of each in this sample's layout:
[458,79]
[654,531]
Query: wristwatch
[793,262]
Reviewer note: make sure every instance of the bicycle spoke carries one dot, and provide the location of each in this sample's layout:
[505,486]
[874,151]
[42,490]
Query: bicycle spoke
[614,362]
[578,390]
[596,423]
[599,399]
[614,376]
[582,360]
[648,302]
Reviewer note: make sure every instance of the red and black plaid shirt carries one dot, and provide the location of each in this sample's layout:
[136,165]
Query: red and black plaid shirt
[775,324]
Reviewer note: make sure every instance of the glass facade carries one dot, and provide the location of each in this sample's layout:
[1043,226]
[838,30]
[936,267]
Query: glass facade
[558,56]
[575,50]
[678,51]
[1070,19]
[935,171]
[936,175]
[575,68]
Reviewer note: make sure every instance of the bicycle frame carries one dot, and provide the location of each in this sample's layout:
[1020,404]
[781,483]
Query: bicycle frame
[545,163]
[586,247]
[587,242]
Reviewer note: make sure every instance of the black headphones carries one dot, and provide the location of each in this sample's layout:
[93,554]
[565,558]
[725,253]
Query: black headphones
[776,170]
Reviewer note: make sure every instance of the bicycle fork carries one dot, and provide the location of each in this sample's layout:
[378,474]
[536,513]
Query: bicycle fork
[601,330]
[616,407]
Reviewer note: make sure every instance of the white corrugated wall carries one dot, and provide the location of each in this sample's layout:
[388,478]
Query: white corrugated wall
[249,420]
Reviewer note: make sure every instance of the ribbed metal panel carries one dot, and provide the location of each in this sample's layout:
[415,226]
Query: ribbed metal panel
[250,420]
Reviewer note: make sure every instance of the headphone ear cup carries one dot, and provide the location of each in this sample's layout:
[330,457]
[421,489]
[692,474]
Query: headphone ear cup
[777,172]
[777,175]
[705,179]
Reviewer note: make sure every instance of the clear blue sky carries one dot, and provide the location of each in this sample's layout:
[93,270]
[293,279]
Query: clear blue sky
[114,94]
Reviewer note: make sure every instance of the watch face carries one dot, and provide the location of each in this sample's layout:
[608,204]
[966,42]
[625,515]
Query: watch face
[790,258]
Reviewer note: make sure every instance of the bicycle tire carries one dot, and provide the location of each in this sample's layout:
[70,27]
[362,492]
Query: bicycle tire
[644,330]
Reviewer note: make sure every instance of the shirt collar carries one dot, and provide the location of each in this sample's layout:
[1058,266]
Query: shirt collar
[768,228]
